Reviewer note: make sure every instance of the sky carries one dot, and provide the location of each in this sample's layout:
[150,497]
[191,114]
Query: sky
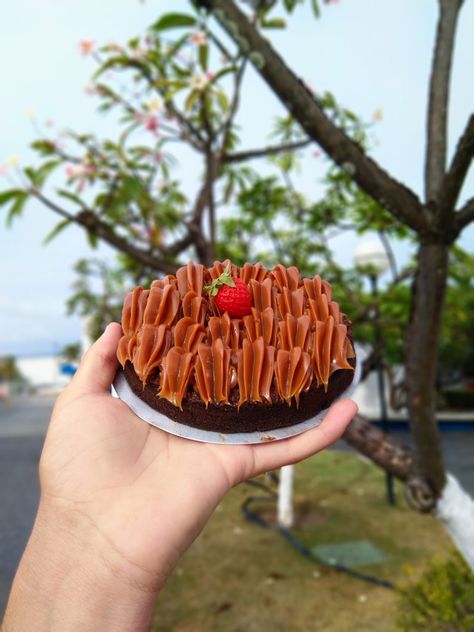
[371,55]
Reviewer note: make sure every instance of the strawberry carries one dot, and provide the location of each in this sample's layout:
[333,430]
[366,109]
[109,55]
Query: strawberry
[230,294]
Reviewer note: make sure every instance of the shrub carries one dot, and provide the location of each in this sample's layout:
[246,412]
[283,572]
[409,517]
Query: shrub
[459,399]
[441,600]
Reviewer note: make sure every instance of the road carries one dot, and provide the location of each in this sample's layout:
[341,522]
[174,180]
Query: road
[22,429]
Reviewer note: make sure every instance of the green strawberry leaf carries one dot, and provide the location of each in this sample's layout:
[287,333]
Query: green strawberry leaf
[227,281]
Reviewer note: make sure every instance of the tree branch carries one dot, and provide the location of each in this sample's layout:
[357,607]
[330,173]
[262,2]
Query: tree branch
[454,179]
[435,166]
[298,99]
[395,458]
[90,222]
[465,216]
[389,252]
[240,156]
[227,124]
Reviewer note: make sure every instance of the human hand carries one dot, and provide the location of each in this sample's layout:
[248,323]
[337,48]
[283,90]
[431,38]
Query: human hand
[124,499]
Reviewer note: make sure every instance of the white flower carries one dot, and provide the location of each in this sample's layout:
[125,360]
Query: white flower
[154,105]
[199,82]
[13,161]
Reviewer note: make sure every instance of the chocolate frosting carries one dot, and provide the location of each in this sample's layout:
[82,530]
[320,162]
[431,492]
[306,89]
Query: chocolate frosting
[175,337]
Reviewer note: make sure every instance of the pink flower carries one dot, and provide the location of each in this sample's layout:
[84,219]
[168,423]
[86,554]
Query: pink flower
[87,46]
[151,123]
[378,114]
[70,171]
[115,48]
[316,153]
[90,89]
[210,75]
[49,123]
[198,38]
[158,156]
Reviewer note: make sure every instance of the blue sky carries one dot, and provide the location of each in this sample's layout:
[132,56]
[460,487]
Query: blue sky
[370,54]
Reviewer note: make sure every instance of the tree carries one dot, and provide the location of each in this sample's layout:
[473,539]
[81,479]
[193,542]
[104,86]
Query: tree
[435,221]
[72,352]
[9,371]
[122,192]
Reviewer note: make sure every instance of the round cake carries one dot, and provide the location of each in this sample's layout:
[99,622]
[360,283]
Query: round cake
[236,349]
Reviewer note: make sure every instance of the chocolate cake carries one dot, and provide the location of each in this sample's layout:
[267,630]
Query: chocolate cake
[281,363]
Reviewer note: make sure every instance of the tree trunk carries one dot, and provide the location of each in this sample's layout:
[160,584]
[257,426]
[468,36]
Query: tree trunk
[421,359]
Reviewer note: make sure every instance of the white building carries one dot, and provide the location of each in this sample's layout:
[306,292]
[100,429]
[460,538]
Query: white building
[43,373]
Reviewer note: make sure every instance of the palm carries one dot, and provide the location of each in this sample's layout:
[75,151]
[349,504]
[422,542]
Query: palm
[130,480]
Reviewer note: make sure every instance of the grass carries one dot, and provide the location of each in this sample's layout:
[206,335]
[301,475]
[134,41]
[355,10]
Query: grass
[238,577]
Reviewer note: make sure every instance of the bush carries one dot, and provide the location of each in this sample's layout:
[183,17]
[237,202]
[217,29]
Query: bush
[459,399]
[441,600]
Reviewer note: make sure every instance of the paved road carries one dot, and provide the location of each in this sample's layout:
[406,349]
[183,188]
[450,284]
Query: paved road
[22,429]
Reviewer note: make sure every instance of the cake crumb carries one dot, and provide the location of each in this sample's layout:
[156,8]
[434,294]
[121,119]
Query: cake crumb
[222,437]
[267,438]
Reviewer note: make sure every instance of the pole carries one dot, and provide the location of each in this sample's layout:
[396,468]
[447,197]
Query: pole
[381,385]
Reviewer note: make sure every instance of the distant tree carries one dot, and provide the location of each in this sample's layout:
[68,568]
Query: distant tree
[9,371]
[71,352]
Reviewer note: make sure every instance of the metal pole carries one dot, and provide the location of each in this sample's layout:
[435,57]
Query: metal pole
[381,385]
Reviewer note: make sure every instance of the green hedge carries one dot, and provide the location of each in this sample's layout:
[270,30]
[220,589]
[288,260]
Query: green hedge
[459,399]
[441,600]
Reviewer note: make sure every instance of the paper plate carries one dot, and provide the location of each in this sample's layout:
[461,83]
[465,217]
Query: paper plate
[153,417]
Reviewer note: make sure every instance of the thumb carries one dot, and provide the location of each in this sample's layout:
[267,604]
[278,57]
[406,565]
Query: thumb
[99,364]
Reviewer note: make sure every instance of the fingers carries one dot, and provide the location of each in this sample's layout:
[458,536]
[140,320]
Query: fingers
[273,455]
[98,366]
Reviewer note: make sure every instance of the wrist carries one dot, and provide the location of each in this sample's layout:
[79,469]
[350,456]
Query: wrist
[70,578]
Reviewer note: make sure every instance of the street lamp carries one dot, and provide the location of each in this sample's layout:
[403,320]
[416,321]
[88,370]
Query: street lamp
[372,256]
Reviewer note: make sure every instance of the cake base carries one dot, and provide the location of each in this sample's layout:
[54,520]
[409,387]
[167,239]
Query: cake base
[252,416]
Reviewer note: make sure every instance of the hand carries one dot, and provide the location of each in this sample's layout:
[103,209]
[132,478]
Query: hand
[130,497]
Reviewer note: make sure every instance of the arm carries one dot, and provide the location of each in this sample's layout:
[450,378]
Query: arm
[121,501]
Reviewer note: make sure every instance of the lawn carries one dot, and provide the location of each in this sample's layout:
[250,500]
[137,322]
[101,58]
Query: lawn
[238,577]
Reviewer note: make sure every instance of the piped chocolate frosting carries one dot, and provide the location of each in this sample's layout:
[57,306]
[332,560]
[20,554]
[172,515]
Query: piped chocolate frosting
[179,344]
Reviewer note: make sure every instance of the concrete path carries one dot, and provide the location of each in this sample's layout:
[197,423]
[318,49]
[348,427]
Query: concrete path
[22,429]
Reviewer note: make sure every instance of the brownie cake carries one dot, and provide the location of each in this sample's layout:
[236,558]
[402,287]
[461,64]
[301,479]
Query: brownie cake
[279,364]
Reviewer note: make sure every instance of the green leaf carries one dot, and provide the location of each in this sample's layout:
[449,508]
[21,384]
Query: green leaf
[44,147]
[11,194]
[133,43]
[43,172]
[92,239]
[222,73]
[222,100]
[56,230]
[71,196]
[191,99]
[171,52]
[315,7]
[274,23]
[173,21]
[290,5]
[226,281]
[124,62]
[17,208]
[38,176]
[203,56]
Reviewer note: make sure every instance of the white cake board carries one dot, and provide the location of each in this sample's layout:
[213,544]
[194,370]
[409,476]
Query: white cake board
[153,417]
